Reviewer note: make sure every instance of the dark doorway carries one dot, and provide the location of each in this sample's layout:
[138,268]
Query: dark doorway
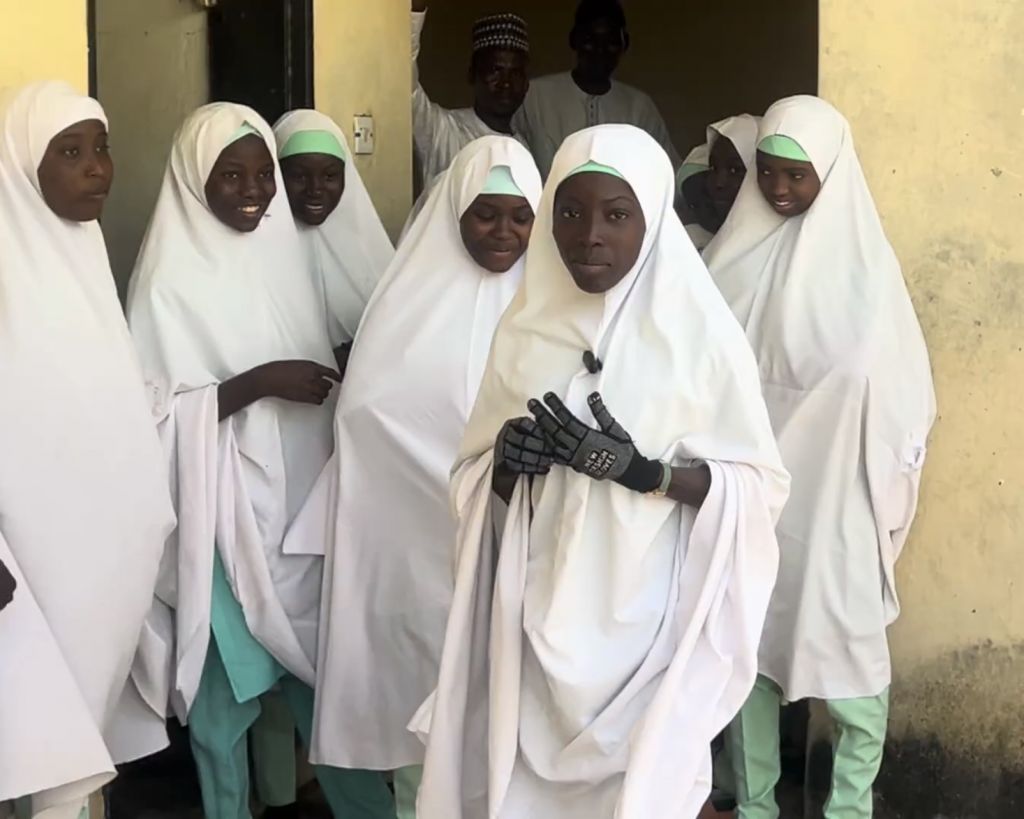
[261,54]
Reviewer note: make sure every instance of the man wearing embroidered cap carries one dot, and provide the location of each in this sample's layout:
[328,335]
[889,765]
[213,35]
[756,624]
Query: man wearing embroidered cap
[498,74]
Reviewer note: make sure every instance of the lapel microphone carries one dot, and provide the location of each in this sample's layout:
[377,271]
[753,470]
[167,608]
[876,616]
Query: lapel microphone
[592,362]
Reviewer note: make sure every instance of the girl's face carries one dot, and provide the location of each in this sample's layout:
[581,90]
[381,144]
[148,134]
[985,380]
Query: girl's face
[599,228]
[314,184]
[76,171]
[241,185]
[725,176]
[496,230]
[789,185]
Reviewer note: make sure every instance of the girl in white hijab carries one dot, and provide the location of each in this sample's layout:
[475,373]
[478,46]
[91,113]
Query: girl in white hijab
[584,675]
[235,351]
[347,246]
[805,265]
[710,178]
[84,504]
[388,583]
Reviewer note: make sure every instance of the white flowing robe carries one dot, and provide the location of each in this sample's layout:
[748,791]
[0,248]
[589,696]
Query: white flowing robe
[586,672]
[848,385]
[556,107]
[207,303]
[350,251]
[84,504]
[412,379]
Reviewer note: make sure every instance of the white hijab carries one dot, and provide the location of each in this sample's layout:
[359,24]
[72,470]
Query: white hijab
[411,382]
[741,131]
[351,250]
[205,304]
[827,313]
[84,505]
[624,627]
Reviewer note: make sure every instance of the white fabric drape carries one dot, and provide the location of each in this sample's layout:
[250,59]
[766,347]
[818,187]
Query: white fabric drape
[586,673]
[412,379]
[84,505]
[207,303]
[848,385]
[350,251]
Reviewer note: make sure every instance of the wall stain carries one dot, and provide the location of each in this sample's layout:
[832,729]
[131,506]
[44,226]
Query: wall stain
[956,738]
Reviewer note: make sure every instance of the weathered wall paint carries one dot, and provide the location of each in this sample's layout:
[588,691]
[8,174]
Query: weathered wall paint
[152,71]
[935,95]
[44,40]
[700,61]
[361,62]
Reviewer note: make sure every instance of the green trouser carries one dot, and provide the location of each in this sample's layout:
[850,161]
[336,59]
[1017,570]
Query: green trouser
[407,785]
[753,740]
[272,742]
[218,726]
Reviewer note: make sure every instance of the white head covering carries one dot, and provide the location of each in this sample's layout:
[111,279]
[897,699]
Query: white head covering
[741,131]
[351,250]
[429,329]
[207,303]
[84,504]
[604,688]
[842,359]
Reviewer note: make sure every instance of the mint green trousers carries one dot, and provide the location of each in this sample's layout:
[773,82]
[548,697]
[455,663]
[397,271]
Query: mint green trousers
[219,727]
[407,785]
[753,746]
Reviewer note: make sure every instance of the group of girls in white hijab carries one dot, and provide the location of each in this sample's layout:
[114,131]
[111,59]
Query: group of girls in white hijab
[524,555]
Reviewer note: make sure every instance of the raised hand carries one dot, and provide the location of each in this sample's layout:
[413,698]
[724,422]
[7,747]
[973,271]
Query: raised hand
[604,454]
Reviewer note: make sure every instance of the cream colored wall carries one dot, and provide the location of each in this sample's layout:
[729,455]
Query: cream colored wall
[152,71]
[361,65]
[42,40]
[700,61]
[935,95]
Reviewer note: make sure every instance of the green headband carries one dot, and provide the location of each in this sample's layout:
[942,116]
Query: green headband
[784,147]
[500,182]
[312,142]
[595,167]
[244,130]
[688,169]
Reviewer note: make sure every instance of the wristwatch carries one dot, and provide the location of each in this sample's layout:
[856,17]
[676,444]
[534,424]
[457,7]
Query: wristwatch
[666,479]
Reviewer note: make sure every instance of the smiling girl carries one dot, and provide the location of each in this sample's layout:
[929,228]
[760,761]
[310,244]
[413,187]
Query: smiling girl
[234,346]
[804,263]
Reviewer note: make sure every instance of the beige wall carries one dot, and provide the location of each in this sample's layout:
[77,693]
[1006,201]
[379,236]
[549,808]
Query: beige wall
[43,40]
[676,55]
[935,95]
[151,72]
[361,62]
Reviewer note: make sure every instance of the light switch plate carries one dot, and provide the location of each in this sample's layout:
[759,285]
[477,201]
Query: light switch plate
[362,130]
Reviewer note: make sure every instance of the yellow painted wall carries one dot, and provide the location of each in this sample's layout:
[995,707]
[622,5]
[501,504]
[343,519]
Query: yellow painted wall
[935,94]
[700,61]
[361,63]
[152,72]
[42,40]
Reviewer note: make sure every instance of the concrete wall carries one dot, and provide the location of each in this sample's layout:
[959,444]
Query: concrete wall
[43,40]
[935,95]
[361,63]
[152,71]
[701,61]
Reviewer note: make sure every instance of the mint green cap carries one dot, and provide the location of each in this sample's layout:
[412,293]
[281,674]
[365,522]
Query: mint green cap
[596,167]
[244,130]
[312,142]
[500,182]
[784,147]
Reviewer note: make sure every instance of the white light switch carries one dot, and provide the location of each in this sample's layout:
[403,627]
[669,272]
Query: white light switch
[362,130]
